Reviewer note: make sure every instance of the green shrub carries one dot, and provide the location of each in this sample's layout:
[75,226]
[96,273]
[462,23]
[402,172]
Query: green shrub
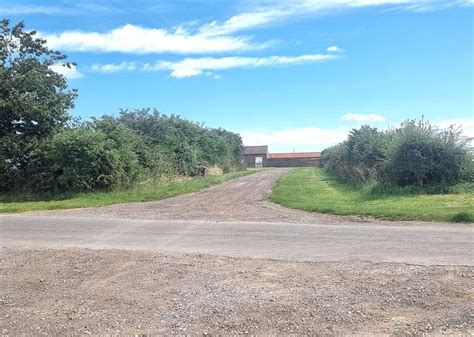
[359,158]
[82,159]
[415,157]
[419,154]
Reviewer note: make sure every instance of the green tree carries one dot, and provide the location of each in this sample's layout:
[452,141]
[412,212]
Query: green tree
[33,98]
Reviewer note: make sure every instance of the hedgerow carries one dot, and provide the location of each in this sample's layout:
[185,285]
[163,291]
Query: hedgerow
[416,154]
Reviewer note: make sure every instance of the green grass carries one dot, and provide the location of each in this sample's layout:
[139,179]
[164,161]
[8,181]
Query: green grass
[311,189]
[20,203]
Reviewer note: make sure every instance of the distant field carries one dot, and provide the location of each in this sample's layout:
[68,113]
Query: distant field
[15,204]
[311,189]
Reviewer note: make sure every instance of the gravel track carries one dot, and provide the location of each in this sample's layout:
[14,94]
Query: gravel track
[241,199]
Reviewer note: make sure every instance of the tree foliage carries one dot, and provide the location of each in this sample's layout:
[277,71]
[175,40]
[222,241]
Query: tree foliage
[33,98]
[184,143]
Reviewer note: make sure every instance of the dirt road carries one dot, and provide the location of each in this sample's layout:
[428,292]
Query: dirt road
[152,287]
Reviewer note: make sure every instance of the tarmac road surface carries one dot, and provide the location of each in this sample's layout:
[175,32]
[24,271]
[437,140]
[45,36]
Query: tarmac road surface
[427,245]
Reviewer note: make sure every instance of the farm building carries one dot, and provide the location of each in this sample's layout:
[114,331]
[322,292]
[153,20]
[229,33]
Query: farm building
[258,156]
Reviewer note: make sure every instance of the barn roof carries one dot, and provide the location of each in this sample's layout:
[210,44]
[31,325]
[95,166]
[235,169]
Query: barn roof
[261,149]
[295,155]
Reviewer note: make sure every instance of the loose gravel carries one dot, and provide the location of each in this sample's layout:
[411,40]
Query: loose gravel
[80,291]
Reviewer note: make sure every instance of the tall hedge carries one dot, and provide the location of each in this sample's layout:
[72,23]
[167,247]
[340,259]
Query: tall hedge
[414,154]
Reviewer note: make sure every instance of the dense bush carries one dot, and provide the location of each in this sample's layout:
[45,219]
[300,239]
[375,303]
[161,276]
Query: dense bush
[415,154]
[82,159]
[184,143]
[419,154]
[107,153]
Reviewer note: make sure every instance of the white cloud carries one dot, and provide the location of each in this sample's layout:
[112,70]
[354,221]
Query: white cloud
[186,72]
[196,66]
[114,68]
[140,40]
[301,139]
[466,124]
[318,139]
[352,117]
[242,21]
[334,49]
[69,73]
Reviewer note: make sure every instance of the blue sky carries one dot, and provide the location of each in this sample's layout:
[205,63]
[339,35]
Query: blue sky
[296,75]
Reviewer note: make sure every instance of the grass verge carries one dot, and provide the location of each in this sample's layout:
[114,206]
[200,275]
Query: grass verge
[311,189]
[11,204]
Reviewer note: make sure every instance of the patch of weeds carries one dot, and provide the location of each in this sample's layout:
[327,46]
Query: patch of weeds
[462,217]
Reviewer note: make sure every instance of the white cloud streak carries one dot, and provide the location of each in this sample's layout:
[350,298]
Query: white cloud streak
[114,68]
[352,117]
[195,66]
[69,73]
[190,67]
[14,10]
[278,10]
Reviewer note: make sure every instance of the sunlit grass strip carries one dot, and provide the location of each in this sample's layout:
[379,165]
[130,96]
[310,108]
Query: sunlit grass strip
[311,189]
[138,194]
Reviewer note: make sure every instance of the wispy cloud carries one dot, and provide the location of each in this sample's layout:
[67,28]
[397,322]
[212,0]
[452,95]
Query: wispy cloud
[113,68]
[139,40]
[14,10]
[190,67]
[196,66]
[274,11]
[68,72]
[352,117]
[431,6]
[65,8]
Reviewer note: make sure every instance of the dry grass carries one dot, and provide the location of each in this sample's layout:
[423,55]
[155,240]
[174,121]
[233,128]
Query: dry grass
[214,171]
[154,189]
